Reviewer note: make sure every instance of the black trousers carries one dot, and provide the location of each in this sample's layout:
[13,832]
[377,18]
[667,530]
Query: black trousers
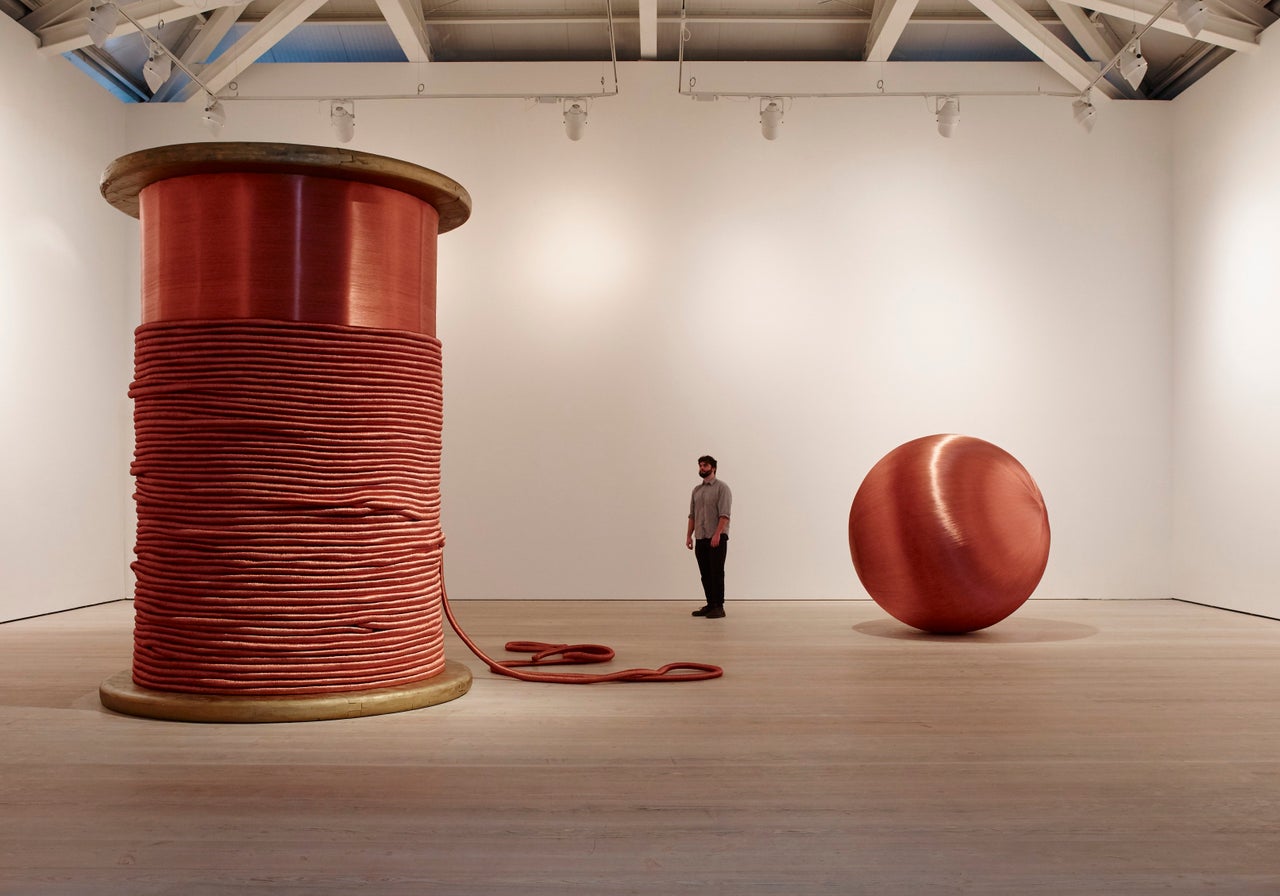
[711,566]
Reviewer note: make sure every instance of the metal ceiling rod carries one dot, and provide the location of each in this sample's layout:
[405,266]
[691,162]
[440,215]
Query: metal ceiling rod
[1132,40]
[879,92]
[613,46]
[158,45]
[605,90]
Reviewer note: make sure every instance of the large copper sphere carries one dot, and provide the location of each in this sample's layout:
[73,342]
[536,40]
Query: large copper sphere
[949,533]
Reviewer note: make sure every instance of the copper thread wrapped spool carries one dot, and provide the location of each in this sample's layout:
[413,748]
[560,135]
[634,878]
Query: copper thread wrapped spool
[949,534]
[300,283]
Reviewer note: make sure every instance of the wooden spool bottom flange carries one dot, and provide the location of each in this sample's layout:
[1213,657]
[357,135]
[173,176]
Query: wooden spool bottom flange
[119,693]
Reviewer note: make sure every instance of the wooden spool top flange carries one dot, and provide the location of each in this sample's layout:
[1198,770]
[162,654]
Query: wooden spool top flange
[128,175]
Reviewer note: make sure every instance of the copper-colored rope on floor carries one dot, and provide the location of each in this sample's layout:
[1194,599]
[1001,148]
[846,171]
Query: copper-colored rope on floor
[573,654]
[288,502]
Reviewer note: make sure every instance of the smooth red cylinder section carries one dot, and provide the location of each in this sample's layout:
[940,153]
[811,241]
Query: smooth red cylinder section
[949,534]
[300,247]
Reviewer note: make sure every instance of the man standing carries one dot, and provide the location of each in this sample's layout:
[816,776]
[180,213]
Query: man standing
[708,534]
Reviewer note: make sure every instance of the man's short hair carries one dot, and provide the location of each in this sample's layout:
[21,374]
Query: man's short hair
[709,460]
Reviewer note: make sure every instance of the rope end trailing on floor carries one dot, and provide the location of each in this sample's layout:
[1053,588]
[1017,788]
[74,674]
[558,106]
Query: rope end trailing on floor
[544,654]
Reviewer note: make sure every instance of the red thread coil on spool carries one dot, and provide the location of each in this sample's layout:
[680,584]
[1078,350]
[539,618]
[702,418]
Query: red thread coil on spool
[288,508]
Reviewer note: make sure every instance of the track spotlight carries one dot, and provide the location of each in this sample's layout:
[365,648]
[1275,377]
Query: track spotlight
[1133,65]
[1084,112]
[1193,14]
[948,115]
[157,69]
[342,118]
[575,118]
[215,116]
[770,117]
[103,20]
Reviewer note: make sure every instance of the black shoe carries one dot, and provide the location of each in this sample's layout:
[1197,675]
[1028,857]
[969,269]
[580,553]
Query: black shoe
[714,613]
[702,612]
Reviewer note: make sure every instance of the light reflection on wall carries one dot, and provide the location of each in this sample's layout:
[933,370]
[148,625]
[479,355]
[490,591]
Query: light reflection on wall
[578,255]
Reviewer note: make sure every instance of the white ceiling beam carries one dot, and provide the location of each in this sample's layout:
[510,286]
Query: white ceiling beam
[1219,31]
[327,80]
[406,22]
[1247,10]
[54,11]
[648,29]
[971,19]
[1097,39]
[888,20]
[262,37]
[63,37]
[1044,43]
[197,52]
[215,28]
[1099,44]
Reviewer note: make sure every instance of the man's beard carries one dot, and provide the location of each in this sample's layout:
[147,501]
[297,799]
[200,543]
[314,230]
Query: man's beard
[705,473]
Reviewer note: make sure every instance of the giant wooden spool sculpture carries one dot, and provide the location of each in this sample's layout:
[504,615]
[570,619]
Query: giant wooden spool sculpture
[949,534]
[287,408]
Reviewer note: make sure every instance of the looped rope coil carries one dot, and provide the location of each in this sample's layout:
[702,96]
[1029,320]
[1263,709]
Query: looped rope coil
[573,654]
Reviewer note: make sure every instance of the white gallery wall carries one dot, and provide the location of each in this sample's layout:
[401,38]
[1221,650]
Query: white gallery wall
[1227,314]
[673,284]
[65,339]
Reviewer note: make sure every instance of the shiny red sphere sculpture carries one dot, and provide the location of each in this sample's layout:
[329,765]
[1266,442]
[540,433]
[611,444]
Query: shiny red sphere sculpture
[949,534]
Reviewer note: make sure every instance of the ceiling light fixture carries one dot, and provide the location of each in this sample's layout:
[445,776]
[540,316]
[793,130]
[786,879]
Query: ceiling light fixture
[948,115]
[157,69]
[1133,65]
[161,61]
[342,118]
[215,116]
[770,116]
[103,20]
[1084,112]
[575,117]
[1193,14]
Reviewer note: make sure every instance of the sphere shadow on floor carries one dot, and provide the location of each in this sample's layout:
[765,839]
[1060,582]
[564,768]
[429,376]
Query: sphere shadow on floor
[1027,630]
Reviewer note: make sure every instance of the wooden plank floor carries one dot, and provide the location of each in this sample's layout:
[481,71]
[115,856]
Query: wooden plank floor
[1077,748]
